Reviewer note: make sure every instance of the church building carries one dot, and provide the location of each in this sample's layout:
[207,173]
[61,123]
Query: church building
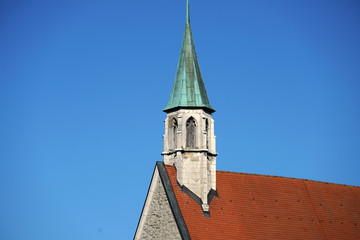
[189,199]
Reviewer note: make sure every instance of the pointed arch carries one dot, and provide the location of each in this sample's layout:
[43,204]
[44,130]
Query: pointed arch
[173,128]
[191,133]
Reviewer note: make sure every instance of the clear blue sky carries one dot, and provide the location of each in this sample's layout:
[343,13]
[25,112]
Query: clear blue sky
[82,85]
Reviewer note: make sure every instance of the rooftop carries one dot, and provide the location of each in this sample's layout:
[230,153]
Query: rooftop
[252,206]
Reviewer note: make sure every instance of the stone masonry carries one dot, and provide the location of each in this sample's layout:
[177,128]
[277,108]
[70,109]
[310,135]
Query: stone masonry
[195,162]
[157,221]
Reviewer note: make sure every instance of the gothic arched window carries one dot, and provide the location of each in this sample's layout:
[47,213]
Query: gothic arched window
[191,133]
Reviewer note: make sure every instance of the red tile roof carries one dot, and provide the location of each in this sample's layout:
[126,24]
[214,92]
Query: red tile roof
[267,207]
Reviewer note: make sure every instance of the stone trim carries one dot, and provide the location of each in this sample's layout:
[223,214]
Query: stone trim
[189,150]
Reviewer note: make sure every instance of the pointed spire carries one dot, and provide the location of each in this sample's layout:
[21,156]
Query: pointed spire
[188,90]
[187,12]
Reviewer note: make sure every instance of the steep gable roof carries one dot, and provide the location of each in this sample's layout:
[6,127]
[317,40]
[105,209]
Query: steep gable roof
[266,207]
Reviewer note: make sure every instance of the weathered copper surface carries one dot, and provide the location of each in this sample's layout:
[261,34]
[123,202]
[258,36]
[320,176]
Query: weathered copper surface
[188,89]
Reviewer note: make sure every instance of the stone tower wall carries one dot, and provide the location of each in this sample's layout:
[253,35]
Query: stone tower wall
[195,164]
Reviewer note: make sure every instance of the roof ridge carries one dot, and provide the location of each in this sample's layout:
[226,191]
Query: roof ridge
[292,178]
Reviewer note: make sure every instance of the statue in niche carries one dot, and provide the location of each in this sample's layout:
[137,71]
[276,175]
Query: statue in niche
[191,133]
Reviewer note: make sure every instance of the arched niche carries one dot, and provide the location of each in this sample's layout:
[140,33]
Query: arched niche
[173,128]
[191,133]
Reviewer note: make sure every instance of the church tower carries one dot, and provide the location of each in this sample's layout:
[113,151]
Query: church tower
[189,140]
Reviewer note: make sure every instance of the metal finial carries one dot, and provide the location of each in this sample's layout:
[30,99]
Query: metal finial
[187,12]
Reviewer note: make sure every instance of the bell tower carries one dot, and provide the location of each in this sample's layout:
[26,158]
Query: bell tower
[189,140]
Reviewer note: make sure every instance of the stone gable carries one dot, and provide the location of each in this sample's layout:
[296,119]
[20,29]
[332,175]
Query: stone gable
[157,220]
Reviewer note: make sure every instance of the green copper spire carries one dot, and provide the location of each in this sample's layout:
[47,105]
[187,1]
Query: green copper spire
[188,90]
[187,12]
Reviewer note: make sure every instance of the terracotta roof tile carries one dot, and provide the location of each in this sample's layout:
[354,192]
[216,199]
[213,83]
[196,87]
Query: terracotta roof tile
[265,207]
